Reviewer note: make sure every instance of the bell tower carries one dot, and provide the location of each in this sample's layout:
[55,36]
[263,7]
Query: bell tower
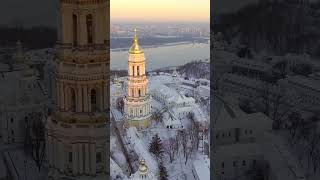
[137,108]
[77,131]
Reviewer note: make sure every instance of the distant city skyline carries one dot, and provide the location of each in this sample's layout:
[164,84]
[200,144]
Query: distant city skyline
[160,11]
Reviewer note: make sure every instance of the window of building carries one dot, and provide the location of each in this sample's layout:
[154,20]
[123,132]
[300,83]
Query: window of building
[99,157]
[12,132]
[89,29]
[11,120]
[234,163]
[93,98]
[75,29]
[139,93]
[222,164]
[243,163]
[138,71]
[70,157]
[73,100]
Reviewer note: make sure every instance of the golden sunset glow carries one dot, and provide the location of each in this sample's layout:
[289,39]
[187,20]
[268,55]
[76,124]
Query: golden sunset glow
[160,10]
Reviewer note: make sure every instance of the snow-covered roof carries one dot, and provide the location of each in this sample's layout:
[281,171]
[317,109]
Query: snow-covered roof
[202,167]
[245,81]
[252,64]
[117,115]
[224,56]
[141,149]
[3,171]
[19,164]
[227,114]
[199,114]
[282,163]
[170,121]
[19,88]
[116,171]
[170,94]
[313,84]
[242,150]
[116,90]
[4,67]
[40,55]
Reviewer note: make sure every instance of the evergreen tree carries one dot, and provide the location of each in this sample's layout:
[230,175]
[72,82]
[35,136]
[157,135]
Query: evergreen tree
[156,147]
[163,172]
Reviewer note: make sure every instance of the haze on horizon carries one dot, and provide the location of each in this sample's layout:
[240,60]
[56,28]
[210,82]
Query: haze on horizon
[160,11]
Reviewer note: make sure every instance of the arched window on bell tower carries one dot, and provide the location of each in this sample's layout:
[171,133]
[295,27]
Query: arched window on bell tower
[75,29]
[138,71]
[93,98]
[73,100]
[89,29]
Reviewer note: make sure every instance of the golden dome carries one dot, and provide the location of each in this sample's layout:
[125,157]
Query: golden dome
[135,47]
[143,168]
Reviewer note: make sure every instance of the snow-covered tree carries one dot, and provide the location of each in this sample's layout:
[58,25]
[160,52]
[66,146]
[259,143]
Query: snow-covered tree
[163,172]
[156,147]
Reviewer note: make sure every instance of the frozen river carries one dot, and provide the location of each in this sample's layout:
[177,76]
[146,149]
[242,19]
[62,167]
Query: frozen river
[164,56]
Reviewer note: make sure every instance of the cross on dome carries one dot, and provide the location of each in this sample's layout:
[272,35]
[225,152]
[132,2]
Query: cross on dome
[135,48]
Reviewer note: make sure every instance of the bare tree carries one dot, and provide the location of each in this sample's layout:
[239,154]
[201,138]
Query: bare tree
[313,143]
[170,148]
[37,136]
[120,104]
[157,116]
[259,171]
[267,92]
[188,149]
[184,140]
[295,121]
[193,132]
[315,159]
[277,102]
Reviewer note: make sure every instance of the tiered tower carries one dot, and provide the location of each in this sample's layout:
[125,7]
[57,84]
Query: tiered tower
[137,101]
[77,131]
[143,172]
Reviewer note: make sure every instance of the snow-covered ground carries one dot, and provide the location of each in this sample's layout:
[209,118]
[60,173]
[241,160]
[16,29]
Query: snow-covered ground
[180,167]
